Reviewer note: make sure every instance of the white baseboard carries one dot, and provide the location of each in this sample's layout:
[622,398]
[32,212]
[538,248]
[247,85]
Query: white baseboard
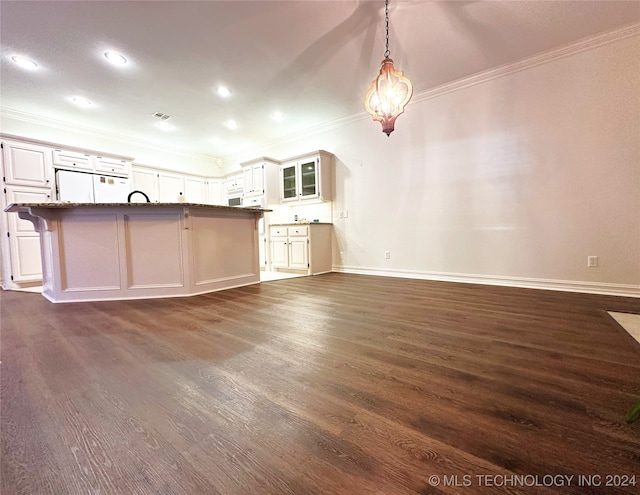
[528,283]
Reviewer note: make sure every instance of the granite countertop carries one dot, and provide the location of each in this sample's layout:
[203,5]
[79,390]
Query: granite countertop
[14,206]
[294,224]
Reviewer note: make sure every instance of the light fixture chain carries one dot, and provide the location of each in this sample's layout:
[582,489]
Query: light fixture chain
[386,19]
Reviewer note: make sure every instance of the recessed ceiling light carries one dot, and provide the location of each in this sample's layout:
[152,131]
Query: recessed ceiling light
[115,58]
[165,126]
[231,124]
[223,91]
[24,62]
[277,116]
[81,102]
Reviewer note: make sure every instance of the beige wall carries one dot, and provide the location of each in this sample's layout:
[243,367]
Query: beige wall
[513,180]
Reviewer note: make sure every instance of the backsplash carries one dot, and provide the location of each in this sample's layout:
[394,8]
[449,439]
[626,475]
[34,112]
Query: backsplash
[286,213]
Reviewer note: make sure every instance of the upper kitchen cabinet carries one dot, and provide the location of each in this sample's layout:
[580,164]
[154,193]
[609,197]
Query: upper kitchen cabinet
[233,184]
[87,162]
[145,180]
[113,166]
[195,190]
[203,190]
[166,187]
[215,195]
[307,178]
[73,160]
[158,185]
[260,178]
[26,164]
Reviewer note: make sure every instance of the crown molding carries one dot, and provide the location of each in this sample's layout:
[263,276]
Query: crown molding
[29,118]
[580,46]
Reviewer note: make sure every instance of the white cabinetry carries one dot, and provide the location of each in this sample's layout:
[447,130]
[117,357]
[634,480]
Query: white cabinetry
[26,164]
[307,177]
[203,191]
[24,241]
[145,180]
[301,247]
[86,162]
[260,177]
[253,180]
[165,187]
[195,190]
[214,192]
[233,184]
[113,166]
[73,160]
[27,170]
[170,187]
[159,186]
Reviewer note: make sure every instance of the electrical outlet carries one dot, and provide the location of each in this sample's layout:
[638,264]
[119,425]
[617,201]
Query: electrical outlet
[341,255]
[346,213]
[592,261]
[387,255]
[341,214]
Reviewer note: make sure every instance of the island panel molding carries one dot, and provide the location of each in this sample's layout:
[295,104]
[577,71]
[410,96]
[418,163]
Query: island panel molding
[211,264]
[120,251]
[93,265]
[154,239]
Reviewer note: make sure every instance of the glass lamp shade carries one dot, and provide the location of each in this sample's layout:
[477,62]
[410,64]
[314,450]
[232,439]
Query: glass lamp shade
[388,95]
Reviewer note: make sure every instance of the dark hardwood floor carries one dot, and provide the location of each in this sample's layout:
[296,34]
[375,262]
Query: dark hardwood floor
[337,383]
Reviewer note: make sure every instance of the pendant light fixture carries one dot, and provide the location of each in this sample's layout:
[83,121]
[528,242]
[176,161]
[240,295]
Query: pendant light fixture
[390,91]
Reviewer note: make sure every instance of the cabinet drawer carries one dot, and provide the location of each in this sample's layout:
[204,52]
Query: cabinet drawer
[298,231]
[73,159]
[112,165]
[278,231]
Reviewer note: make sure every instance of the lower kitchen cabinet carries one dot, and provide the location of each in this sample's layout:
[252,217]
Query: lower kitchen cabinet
[299,247]
[21,248]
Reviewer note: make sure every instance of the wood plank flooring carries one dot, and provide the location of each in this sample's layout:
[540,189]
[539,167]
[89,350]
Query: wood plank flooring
[333,384]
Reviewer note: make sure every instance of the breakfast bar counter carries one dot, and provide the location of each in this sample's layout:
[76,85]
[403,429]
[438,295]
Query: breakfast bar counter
[112,251]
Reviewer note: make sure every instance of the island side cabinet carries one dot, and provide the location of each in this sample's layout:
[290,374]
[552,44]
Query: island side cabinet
[301,248]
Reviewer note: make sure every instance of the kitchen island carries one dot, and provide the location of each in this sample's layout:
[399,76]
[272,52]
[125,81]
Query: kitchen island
[114,251]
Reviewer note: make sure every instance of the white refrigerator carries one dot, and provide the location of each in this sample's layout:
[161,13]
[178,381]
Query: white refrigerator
[80,187]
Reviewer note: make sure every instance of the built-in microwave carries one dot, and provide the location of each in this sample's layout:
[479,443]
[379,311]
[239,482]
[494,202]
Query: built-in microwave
[255,202]
[234,200]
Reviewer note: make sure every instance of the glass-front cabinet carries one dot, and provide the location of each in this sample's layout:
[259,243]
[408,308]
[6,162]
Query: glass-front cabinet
[289,188]
[309,179]
[306,178]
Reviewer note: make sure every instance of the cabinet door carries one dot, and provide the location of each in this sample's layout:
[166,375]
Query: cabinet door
[146,181]
[27,164]
[73,160]
[279,252]
[195,190]
[253,180]
[169,187]
[258,179]
[113,166]
[308,171]
[247,180]
[298,253]
[288,183]
[24,241]
[214,192]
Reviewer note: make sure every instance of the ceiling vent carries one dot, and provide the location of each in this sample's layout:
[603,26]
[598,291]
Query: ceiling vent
[161,116]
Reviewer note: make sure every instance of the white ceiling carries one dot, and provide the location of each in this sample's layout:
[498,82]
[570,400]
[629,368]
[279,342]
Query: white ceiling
[312,60]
